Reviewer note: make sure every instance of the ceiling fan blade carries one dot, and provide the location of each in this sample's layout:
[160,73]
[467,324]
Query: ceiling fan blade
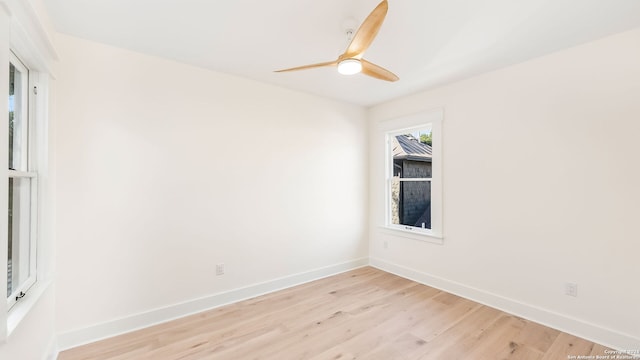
[366,32]
[328,63]
[378,72]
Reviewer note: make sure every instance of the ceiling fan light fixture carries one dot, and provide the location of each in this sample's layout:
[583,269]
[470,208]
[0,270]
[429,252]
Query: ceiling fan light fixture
[350,61]
[349,66]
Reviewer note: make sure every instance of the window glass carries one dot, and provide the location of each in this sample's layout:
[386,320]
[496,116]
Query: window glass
[410,182]
[19,261]
[21,254]
[18,130]
[411,203]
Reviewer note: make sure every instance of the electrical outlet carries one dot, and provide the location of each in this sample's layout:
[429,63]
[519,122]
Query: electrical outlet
[385,244]
[571,289]
[220,269]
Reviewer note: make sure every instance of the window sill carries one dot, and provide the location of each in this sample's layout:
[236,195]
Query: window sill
[22,308]
[413,234]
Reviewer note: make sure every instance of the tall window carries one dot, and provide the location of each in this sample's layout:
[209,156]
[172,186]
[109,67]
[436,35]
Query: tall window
[409,180]
[21,264]
[413,175]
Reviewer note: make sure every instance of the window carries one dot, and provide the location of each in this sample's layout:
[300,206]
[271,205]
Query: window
[410,181]
[27,202]
[22,185]
[413,186]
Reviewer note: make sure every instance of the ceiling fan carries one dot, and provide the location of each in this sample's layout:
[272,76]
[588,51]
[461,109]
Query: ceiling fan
[351,61]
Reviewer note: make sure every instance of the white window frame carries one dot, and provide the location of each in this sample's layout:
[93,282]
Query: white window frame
[433,120]
[28,138]
[22,32]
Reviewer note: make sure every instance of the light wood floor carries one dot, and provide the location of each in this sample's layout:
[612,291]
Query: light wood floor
[361,314]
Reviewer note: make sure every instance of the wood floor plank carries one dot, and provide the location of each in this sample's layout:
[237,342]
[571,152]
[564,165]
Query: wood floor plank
[497,340]
[443,312]
[537,336]
[567,345]
[312,311]
[459,339]
[355,319]
[360,314]
[408,314]
[402,347]
[599,350]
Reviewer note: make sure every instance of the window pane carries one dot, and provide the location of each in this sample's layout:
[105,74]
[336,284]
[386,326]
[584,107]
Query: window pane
[19,267]
[17,119]
[411,203]
[412,155]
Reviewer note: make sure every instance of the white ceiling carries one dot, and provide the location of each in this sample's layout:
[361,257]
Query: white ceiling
[425,42]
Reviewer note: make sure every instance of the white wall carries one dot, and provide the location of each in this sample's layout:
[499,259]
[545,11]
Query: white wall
[165,170]
[540,187]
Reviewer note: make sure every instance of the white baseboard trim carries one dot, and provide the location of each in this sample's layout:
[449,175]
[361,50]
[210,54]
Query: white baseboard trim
[577,327]
[127,324]
[52,351]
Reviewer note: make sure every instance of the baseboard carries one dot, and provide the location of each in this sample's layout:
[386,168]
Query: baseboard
[112,328]
[52,350]
[577,327]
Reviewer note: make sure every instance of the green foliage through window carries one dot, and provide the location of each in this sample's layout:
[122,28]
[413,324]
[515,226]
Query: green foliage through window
[426,138]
